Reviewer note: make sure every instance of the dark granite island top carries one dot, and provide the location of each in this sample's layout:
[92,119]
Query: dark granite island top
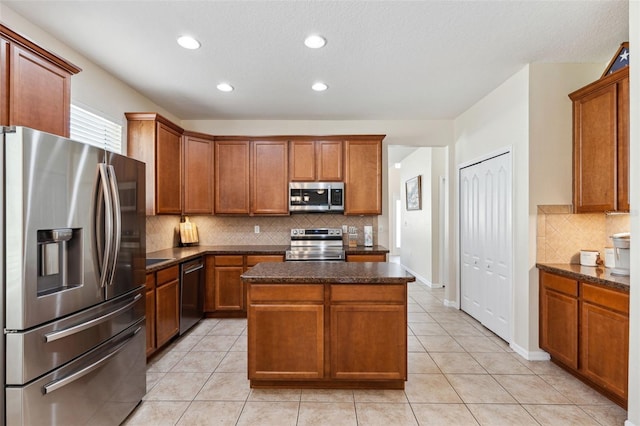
[328,272]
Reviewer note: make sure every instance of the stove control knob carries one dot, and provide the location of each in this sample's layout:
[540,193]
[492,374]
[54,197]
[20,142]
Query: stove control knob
[294,232]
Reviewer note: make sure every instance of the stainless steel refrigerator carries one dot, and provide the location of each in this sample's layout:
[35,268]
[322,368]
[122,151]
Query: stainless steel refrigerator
[73,275]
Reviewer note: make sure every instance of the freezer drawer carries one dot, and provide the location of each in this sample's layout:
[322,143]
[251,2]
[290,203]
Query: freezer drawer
[100,388]
[43,349]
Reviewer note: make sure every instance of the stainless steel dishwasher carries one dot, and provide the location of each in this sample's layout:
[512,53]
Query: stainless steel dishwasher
[191,293]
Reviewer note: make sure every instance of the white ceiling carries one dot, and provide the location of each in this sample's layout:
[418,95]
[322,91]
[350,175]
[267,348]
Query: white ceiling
[383,59]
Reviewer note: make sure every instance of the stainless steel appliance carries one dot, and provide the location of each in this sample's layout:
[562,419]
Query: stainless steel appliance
[316,244]
[313,197]
[191,293]
[73,268]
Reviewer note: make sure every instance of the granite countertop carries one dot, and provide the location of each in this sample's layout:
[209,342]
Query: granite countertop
[328,272]
[177,255]
[590,274]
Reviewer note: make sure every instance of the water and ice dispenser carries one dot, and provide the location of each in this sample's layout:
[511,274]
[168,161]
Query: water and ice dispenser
[59,259]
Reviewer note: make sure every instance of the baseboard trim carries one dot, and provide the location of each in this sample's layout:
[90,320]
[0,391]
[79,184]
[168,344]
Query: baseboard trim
[422,279]
[451,303]
[538,355]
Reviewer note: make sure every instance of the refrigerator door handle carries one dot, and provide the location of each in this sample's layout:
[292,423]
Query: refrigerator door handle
[103,193]
[116,222]
[57,384]
[57,335]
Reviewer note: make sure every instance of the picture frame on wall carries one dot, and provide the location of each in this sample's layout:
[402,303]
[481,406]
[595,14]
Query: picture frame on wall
[413,188]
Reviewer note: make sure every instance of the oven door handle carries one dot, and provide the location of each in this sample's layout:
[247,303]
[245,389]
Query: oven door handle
[57,335]
[57,384]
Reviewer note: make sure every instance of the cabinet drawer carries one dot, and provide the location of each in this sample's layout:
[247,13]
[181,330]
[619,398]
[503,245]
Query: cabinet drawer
[151,281]
[605,297]
[168,274]
[253,260]
[378,257]
[558,283]
[391,294]
[229,261]
[286,293]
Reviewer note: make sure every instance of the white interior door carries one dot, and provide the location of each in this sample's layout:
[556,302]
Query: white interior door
[486,243]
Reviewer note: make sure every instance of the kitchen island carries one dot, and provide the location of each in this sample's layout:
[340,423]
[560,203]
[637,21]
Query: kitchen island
[327,325]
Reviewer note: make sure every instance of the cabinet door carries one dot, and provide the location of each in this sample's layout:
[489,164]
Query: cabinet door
[623,145]
[5,54]
[559,326]
[150,313]
[302,161]
[167,311]
[363,177]
[381,257]
[604,348]
[298,330]
[231,177]
[229,291]
[168,170]
[329,161]
[368,342]
[270,175]
[39,93]
[595,124]
[198,175]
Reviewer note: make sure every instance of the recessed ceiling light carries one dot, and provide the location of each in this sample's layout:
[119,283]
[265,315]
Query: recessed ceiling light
[225,87]
[319,87]
[188,42]
[315,41]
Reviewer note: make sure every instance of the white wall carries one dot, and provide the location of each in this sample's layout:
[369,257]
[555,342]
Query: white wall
[394,193]
[93,88]
[634,171]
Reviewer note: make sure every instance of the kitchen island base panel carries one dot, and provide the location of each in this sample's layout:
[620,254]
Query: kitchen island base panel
[324,384]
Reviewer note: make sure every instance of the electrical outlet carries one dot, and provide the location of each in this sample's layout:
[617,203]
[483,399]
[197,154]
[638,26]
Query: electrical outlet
[256,229]
[344,229]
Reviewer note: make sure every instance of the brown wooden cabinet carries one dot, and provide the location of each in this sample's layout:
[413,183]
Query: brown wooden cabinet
[373,257]
[363,176]
[225,293]
[251,177]
[167,304]
[327,335]
[158,142]
[368,332]
[197,173]
[269,178]
[585,327]
[604,338]
[297,325]
[319,160]
[150,313]
[559,318]
[35,85]
[601,144]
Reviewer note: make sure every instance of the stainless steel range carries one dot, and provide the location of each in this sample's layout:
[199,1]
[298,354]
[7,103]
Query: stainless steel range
[321,244]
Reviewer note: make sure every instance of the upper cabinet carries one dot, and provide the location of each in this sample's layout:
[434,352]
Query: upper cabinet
[319,160]
[601,144]
[158,142]
[35,85]
[197,174]
[251,177]
[363,176]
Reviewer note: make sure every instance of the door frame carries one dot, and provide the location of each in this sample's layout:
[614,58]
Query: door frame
[496,153]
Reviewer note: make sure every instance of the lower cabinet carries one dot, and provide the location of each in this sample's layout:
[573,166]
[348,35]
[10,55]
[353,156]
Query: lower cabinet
[150,313]
[373,257]
[290,335]
[225,294]
[585,327]
[316,334]
[167,304]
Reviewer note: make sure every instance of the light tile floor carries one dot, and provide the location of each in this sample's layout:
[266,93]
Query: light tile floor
[459,374]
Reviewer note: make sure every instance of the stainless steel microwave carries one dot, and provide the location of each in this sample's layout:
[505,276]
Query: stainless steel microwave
[312,197]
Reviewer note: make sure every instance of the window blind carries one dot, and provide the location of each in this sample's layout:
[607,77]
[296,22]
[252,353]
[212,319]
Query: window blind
[92,129]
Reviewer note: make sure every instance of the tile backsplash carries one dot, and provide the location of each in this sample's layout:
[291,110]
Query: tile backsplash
[561,235]
[162,231]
